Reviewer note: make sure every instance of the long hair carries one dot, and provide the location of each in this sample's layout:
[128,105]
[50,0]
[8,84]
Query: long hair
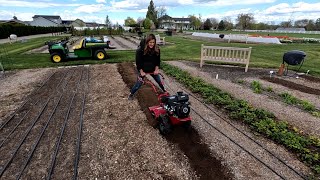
[155,48]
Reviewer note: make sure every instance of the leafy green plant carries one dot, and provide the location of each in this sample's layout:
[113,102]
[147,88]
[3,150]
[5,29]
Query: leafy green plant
[256,86]
[262,121]
[288,98]
[269,89]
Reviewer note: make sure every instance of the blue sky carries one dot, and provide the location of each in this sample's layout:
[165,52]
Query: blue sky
[268,11]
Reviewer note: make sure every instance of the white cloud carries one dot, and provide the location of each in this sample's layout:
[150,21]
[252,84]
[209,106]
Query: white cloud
[8,15]
[27,4]
[233,2]
[93,8]
[101,1]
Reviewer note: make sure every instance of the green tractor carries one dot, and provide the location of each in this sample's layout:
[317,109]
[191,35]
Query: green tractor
[87,48]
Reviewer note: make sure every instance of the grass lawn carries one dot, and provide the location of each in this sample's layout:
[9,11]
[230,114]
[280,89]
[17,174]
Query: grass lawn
[263,55]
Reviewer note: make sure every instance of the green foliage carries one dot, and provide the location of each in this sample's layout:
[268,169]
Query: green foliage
[269,89]
[152,14]
[256,86]
[129,21]
[260,120]
[240,81]
[288,98]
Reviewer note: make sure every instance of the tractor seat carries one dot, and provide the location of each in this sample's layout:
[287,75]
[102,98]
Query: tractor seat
[79,46]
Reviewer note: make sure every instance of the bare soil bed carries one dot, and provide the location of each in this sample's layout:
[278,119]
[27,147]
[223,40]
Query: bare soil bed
[40,138]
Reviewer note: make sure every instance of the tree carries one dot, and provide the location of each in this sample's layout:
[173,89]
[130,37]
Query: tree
[301,23]
[152,13]
[245,21]
[227,23]
[311,26]
[161,11]
[317,24]
[286,24]
[108,22]
[195,22]
[221,26]
[129,21]
[214,22]
[140,21]
[147,23]
[207,25]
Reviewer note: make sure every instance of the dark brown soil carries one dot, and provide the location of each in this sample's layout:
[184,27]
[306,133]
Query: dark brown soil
[59,121]
[206,166]
[293,85]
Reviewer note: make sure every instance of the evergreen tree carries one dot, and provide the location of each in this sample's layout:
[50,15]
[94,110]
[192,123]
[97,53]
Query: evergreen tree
[108,22]
[221,25]
[152,13]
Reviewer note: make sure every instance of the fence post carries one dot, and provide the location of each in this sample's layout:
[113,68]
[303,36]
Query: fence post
[201,55]
[2,69]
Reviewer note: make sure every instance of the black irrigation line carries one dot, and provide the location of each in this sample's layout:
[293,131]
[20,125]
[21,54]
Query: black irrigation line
[25,136]
[39,138]
[25,115]
[15,112]
[259,144]
[76,161]
[57,146]
[43,129]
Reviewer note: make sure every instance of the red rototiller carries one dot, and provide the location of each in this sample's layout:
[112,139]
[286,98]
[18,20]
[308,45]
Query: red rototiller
[172,110]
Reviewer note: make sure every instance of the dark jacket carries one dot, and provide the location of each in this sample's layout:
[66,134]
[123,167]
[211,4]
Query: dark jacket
[146,62]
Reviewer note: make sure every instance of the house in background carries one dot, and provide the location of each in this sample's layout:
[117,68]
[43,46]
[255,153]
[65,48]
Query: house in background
[78,24]
[167,22]
[46,21]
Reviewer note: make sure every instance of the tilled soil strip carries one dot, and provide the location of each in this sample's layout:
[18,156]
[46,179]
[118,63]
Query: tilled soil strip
[292,115]
[191,144]
[225,141]
[293,85]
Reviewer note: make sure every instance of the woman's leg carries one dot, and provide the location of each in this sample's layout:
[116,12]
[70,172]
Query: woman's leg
[137,85]
[157,78]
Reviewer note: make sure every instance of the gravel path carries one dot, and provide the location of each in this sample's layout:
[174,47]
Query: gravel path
[226,146]
[17,85]
[296,117]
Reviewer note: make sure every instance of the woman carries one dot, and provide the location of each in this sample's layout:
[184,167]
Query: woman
[148,62]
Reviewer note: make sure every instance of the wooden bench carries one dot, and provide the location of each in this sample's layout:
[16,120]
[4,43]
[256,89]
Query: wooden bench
[225,54]
[159,40]
[238,37]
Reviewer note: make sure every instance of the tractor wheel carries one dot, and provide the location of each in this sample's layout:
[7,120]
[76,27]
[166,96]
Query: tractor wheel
[165,127]
[56,57]
[100,54]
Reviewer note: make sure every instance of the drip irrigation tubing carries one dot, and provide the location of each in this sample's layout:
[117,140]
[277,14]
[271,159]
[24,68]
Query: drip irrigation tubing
[25,115]
[26,101]
[43,130]
[259,144]
[30,128]
[25,136]
[77,157]
[57,145]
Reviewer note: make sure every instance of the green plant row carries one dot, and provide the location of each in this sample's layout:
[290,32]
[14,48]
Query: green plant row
[288,99]
[307,148]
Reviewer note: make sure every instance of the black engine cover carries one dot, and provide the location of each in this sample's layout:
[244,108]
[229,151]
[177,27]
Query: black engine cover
[294,57]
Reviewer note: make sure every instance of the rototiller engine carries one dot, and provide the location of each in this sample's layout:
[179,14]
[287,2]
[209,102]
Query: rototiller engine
[172,110]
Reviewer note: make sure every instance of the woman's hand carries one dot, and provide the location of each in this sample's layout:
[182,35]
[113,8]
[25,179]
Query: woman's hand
[142,73]
[156,71]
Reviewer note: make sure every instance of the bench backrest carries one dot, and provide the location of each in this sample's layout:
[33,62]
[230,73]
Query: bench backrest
[225,54]
[158,39]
